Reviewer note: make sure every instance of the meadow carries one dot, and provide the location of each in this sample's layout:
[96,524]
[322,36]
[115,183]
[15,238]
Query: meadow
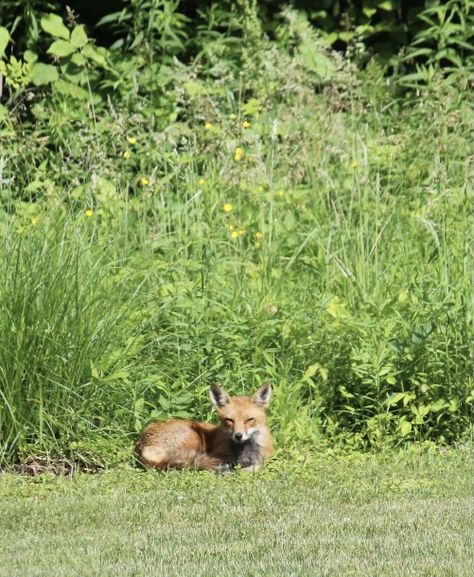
[267,210]
[234,196]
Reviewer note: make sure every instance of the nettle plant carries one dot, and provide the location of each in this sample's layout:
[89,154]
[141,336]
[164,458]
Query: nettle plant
[76,63]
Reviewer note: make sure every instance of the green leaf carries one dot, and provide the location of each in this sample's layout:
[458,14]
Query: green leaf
[345,393]
[43,74]
[394,399]
[95,55]
[387,6]
[4,39]
[405,428]
[70,89]
[78,59]
[79,37]
[317,62]
[369,12]
[311,371]
[53,24]
[453,405]
[61,48]
[30,56]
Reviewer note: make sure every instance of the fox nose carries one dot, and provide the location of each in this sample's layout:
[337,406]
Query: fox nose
[238,436]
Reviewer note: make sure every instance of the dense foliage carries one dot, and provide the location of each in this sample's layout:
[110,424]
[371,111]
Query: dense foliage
[199,196]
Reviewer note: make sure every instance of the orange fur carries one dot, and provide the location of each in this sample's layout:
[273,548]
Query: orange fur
[242,437]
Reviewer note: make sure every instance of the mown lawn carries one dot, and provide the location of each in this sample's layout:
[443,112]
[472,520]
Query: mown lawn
[398,514]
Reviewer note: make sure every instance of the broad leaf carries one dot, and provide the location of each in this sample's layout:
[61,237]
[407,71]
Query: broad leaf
[405,428]
[93,54]
[43,74]
[54,25]
[61,48]
[4,39]
[79,37]
[70,89]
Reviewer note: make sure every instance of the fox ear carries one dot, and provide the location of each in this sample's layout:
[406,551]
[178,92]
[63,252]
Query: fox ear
[219,397]
[262,396]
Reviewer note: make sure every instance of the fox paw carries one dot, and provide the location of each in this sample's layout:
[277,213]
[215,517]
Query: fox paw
[224,469]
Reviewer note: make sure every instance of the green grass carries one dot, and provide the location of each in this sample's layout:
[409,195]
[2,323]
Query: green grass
[332,259]
[399,514]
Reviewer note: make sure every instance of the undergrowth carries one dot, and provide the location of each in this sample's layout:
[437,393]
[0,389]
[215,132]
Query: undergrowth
[300,222]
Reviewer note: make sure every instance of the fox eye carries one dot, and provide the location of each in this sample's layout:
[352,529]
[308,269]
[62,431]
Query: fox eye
[250,420]
[229,421]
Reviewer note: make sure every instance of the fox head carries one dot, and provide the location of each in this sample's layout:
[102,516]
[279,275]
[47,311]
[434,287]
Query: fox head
[241,417]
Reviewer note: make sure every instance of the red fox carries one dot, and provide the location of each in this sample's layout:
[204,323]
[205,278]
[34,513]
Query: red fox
[241,438]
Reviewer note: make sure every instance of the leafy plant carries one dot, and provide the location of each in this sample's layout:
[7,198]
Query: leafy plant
[446,42]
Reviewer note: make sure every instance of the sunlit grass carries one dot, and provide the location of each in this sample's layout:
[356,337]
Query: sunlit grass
[399,514]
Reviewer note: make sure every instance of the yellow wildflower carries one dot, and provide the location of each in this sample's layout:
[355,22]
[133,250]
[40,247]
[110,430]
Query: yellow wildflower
[238,154]
[233,116]
[258,235]
[258,245]
[354,164]
[89,212]
[131,140]
[246,124]
[231,227]
[242,231]
[143,181]
[228,207]
[208,126]
[235,234]
[127,154]
[280,194]
[34,220]
[201,181]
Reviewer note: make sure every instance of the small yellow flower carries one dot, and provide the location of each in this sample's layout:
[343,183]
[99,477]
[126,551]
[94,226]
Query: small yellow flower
[233,116]
[89,212]
[231,227]
[259,189]
[143,181]
[131,140]
[201,181]
[34,220]
[208,126]
[354,164]
[228,207]
[280,194]
[258,235]
[127,154]
[246,124]
[242,231]
[235,234]
[258,245]
[238,154]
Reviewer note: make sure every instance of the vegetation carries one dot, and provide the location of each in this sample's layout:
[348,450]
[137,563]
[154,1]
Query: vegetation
[403,513]
[184,201]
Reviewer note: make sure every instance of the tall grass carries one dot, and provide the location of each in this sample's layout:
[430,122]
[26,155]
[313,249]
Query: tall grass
[64,318]
[331,256]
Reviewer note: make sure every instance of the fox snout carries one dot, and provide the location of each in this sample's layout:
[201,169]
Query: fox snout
[239,437]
